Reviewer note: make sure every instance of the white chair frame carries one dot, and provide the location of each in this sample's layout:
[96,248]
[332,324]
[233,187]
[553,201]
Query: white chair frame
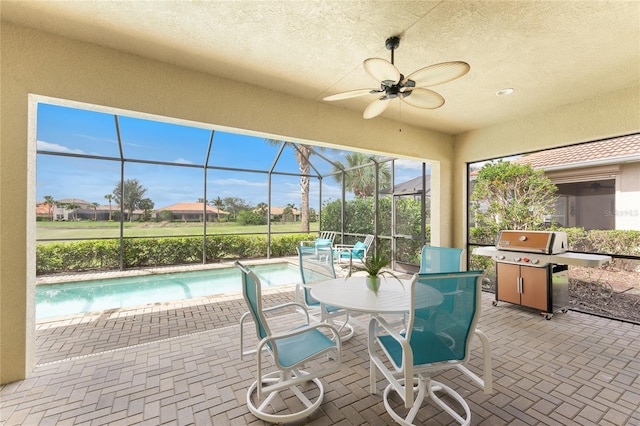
[406,378]
[290,377]
[329,313]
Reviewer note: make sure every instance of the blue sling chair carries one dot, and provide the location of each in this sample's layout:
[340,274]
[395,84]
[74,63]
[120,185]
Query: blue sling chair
[440,259]
[434,340]
[316,265]
[286,387]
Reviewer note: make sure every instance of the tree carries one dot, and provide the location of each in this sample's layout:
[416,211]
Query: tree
[133,194]
[262,209]
[287,213]
[247,217]
[95,211]
[235,205]
[147,206]
[109,198]
[510,196]
[50,203]
[361,180]
[302,157]
[218,204]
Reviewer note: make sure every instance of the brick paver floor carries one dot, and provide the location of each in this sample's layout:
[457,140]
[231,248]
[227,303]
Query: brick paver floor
[179,364]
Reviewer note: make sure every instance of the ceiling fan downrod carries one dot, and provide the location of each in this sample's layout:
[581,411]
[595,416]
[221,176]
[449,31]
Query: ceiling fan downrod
[392,44]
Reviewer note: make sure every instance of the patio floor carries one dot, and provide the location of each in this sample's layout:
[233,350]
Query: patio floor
[178,364]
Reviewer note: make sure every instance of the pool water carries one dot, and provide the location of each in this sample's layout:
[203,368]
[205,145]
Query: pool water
[54,300]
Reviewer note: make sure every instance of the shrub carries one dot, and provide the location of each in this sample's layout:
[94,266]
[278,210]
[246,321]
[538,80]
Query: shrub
[247,217]
[145,252]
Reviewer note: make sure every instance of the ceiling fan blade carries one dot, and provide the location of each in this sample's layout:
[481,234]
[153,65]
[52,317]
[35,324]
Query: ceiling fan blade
[376,108]
[382,70]
[438,73]
[422,98]
[350,94]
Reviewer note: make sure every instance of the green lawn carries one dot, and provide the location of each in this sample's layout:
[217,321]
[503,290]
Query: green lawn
[89,229]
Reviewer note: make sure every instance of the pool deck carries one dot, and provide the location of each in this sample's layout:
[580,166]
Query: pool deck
[178,364]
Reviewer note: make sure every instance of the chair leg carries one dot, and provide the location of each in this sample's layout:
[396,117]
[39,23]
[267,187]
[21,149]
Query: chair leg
[261,408]
[427,387]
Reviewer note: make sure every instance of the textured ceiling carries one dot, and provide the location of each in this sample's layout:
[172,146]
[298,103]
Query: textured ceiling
[551,52]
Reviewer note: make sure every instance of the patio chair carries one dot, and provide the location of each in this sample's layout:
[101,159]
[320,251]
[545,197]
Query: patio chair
[313,268]
[289,351]
[440,259]
[325,239]
[356,251]
[431,347]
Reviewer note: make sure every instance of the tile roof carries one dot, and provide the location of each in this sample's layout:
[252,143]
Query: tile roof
[280,210]
[617,148]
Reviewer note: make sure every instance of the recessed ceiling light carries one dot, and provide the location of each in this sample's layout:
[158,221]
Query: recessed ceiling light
[505,92]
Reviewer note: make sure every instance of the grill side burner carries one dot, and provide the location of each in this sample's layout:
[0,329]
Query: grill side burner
[532,271]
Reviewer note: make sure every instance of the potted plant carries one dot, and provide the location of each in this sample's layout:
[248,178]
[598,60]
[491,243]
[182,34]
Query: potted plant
[373,265]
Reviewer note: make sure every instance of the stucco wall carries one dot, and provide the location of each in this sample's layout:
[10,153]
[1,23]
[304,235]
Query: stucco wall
[627,211]
[50,66]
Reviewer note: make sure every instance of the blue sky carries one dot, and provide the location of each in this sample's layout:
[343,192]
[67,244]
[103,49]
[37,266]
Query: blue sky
[74,131]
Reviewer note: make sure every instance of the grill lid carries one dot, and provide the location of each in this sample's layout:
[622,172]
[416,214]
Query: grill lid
[546,242]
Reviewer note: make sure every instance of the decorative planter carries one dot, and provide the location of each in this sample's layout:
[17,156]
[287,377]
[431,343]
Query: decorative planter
[373,283]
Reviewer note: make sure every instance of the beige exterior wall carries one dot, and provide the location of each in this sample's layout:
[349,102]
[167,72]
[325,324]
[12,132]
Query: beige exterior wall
[627,211]
[35,63]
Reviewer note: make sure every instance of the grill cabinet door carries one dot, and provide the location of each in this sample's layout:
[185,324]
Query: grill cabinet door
[534,287]
[507,282]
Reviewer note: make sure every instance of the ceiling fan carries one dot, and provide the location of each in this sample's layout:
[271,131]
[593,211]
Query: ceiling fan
[394,85]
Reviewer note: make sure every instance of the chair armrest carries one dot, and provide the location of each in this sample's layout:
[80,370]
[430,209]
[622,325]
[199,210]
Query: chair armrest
[301,330]
[287,305]
[305,243]
[386,326]
[343,246]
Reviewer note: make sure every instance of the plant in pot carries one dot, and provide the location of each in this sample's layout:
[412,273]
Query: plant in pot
[373,265]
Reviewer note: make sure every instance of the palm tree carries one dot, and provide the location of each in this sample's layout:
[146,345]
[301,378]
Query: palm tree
[95,211]
[109,198]
[362,180]
[218,203]
[50,203]
[262,209]
[302,157]
[287,213]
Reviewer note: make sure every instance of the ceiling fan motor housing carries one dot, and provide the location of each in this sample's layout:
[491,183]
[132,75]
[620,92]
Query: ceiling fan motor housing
[392,42]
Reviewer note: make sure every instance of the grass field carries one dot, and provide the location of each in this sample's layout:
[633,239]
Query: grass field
[88,229]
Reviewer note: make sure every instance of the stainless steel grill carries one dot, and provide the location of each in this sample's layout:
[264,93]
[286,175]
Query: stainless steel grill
[531,269]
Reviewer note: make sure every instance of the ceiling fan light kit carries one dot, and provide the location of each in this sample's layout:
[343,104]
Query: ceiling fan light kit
[394,85]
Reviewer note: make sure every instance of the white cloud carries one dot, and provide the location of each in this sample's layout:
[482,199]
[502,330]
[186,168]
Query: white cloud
[182,161]
[94,138]
[405,164]
[240,182]
[47,146]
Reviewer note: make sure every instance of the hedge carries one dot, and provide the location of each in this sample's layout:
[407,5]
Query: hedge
[144,252]
[88,255]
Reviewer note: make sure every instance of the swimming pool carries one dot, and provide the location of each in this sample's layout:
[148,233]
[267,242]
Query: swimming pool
[54,300]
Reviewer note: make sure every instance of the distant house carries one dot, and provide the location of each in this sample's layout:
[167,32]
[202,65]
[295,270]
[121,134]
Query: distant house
[598,182]
[69,209]
[277,213]
[413,188]
[66,209]
[192,212]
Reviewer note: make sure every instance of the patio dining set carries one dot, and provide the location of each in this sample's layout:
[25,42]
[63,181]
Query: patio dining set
[416,328]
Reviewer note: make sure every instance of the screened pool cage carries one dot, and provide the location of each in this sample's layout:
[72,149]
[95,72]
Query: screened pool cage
[84,154]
